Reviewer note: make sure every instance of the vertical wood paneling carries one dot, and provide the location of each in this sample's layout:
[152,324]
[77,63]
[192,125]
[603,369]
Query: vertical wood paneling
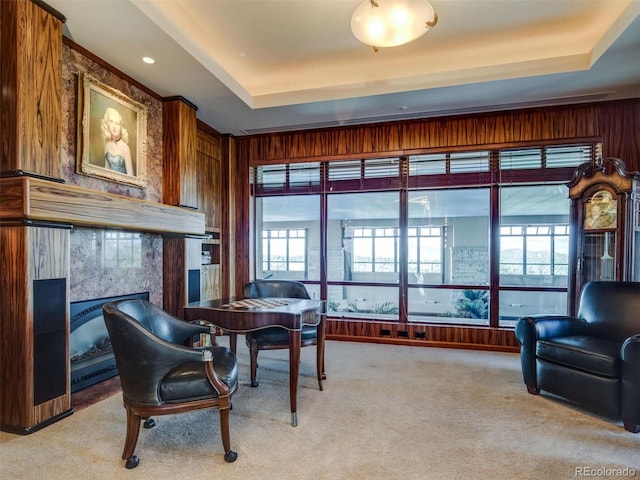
[227,263]
[27,254]
[179,187]
[179,183]
[15,329]
[45,95]
[212,191]
[620,130]
[615,122]
[174,278]
[31,84]
[9,85]
[209,179]
[239,221]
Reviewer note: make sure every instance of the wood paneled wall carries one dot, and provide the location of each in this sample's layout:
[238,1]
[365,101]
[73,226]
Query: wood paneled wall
[615,124]
[31,81]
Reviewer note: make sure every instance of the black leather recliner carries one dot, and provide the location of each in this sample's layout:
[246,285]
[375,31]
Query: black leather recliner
[592,359]
[162,374]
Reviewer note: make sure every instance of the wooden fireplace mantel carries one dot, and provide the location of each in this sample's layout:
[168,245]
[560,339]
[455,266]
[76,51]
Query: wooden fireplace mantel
[34,199]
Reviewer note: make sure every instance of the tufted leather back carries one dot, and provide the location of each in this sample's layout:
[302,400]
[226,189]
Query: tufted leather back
[275,288]
[611,309]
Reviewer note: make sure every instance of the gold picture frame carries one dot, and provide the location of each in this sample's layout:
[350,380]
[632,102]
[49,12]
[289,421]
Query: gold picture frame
[112,134]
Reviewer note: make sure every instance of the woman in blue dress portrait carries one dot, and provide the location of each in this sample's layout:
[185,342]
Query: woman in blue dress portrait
[117,154]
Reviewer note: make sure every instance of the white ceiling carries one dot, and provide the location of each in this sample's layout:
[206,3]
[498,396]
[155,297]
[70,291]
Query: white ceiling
[253,66]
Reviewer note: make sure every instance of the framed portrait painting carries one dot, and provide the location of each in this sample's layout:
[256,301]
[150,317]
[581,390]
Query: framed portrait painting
[112,134]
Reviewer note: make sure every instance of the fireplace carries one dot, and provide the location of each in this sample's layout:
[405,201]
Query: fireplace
[92,359]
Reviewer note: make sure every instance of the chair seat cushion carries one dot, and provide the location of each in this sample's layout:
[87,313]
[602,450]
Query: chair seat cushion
[189,381]
[276,335]
[598,356]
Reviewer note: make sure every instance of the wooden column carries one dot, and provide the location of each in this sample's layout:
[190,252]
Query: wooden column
[34,285]
[31,82]
[35,327]
[179,166]
[179,187]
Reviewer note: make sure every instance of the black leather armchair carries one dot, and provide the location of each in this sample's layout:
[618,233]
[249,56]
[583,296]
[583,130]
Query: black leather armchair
[273,338]
[592,359]
[162,374]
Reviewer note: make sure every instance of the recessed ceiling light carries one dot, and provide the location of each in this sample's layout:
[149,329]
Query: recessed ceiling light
[148,60]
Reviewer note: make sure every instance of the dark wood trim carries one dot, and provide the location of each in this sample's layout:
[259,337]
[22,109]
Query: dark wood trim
[48,8]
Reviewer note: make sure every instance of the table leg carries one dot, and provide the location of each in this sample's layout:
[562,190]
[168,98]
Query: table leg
[233,341]
[320,352]
[294,366]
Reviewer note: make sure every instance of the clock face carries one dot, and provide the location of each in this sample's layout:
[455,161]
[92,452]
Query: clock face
[600,211]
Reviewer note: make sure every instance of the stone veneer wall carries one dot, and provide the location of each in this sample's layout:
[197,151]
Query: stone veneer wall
[91,276]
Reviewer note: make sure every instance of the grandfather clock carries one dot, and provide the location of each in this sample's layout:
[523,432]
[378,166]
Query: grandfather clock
[601,217]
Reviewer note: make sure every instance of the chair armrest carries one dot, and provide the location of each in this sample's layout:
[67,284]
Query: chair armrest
[219,385]
[538,327]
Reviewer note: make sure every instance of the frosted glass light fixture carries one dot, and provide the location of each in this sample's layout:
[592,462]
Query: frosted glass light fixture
[389,23]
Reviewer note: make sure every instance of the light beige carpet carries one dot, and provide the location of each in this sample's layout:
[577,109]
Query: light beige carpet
[387,412]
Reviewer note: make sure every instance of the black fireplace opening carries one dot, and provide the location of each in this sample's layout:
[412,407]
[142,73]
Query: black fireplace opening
[92,359]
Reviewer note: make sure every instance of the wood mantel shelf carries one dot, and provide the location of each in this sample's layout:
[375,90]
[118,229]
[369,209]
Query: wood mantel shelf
[38,200]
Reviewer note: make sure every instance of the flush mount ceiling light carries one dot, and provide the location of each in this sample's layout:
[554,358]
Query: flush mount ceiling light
[389,23]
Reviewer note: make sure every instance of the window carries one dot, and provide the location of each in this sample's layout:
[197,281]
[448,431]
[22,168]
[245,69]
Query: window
[534,250]
[411,238]
[425,249]
[284,250]
[375,249]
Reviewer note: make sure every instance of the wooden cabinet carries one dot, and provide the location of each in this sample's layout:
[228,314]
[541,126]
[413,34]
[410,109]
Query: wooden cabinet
[600,195]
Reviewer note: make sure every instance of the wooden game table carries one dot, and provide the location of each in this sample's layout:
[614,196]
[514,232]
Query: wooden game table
[240,315]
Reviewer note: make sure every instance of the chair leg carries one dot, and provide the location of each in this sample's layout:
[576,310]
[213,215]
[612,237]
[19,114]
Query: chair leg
[253,356]
[320,366]
[133,429]
[229,455]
